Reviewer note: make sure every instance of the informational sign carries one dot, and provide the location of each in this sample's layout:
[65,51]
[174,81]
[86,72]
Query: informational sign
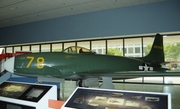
[18,95]
[29,92]
[89,98]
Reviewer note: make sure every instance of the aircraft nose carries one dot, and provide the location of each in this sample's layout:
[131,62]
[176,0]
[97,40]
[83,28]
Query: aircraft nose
[9,65]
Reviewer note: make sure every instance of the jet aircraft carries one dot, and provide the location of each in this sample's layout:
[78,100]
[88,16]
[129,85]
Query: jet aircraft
[78,63]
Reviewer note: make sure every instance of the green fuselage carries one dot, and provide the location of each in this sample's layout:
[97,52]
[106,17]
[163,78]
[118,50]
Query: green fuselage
[73,66]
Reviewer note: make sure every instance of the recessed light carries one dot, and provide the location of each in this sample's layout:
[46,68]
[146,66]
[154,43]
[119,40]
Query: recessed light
[165,36]
[95,6]
[12,8]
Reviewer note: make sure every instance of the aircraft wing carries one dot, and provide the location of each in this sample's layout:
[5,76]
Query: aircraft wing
[127,74]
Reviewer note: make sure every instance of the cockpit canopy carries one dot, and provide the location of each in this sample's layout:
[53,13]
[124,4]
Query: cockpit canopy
[77,49]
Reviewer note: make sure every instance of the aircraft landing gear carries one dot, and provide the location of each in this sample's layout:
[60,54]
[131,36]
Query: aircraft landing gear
[107,83]
[88,82]
[94,82]
[79,83]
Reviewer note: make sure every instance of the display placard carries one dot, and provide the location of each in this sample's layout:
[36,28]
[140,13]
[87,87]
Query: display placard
[90,98]
[13,90]
[29,92]
[18,95]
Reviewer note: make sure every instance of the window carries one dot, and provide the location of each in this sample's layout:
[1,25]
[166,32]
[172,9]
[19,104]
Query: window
[16,49]
[84,44]
[99,46]
[45,48]
[25,48]
[137,49]
[130,50]
[147,45]
[115,47]
[130,45]
[35,48]
[9,50]
[66,45]
[57,47]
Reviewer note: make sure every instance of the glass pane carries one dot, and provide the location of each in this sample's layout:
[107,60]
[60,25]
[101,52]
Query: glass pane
[153,80]
[66,45]
[131,45]
[130,50]
[137,50]
[16,49]
[99,47]
[147,44]
[172,80]
[115,47]
[172,52]
[2,51]
[45,48]
[84,44]
[57,47]
[35,48]
[139,80]
[25,48]
[9,50]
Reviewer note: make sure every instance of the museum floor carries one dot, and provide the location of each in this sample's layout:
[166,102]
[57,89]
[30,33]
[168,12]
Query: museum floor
[69,87]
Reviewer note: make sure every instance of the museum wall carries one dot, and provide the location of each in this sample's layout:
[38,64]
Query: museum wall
[147,18]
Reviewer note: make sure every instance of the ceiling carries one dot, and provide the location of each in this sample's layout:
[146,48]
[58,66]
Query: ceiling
[14,12]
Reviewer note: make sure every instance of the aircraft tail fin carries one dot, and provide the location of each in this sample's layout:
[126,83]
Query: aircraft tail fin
[156,54]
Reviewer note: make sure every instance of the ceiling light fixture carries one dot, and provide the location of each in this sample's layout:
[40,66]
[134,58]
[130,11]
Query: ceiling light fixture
[12,8]
[165,36]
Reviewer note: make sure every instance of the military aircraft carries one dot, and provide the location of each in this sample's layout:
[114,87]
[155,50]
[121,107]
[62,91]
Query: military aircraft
[78,63]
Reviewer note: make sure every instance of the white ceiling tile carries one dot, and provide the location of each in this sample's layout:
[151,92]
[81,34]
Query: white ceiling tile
[6,3]
[135,2]
[144,1]
[60,12]
[153,1]
[126,2]
[109,3]
[77,9]
[101,5]
[161,0]
[23,11]
[90,7]
[118,3]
